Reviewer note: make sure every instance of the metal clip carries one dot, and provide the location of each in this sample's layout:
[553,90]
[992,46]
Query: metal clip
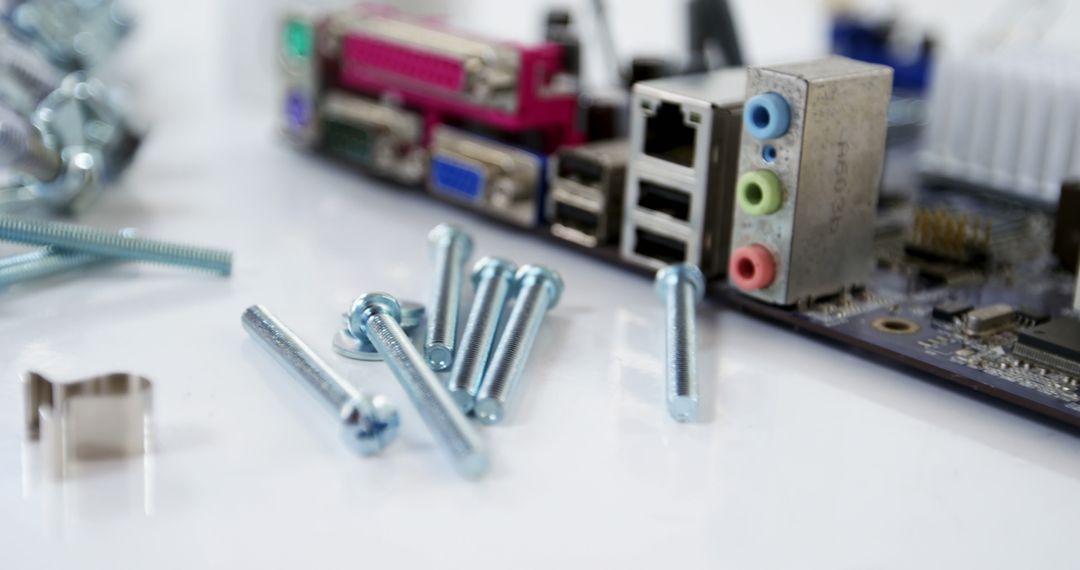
[103,417]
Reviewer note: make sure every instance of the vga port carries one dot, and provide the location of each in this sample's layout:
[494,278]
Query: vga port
[502,180]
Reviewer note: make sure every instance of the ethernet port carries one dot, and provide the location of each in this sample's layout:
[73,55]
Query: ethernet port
[661,248]
[664,199]
[580,170]
[668,137]
[577,219]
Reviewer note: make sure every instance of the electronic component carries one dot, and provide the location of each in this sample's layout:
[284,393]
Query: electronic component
[949,236]
[383,139]
[1005,121]
[457,77]
[811,160]
[1067,226]
[298,64]
[949,311]
[684,141]
[990,319]
[585,199]
[1055,344]
[502,180]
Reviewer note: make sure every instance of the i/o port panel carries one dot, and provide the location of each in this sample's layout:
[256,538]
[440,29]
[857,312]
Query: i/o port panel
[684,145]
[502,180]
[585,200]
[813,145]
[382,139]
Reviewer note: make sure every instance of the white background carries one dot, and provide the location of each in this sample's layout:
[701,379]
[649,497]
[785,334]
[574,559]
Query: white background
[810,457]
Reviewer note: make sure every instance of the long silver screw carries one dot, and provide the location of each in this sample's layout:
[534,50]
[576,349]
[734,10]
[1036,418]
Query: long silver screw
[43,262]
[378,315]
[113,244]
[369,422]
[539,290]
[681,287]
[22,148]
[451,248]
[494,282]
[31,73]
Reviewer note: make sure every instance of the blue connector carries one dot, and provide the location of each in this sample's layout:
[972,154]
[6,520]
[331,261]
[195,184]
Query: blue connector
[456,178]
[767,116]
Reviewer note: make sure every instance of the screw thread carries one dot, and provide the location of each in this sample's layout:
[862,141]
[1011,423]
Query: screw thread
[682,381]
[492,293]
[41,263]
[434,404]
[296,356]
[110,244]
[512,351]
[441,340]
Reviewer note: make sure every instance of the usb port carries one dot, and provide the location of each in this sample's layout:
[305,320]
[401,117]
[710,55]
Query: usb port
[580,170]
[665,199]
[658,247]
[668,137]
[577,219]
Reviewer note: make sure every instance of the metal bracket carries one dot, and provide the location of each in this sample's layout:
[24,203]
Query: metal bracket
[103,417]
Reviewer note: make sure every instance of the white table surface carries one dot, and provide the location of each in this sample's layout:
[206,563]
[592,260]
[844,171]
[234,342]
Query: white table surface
[810,456]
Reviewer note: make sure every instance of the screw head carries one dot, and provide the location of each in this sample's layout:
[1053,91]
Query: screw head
[680,273]
[548,277]
[444,234]
[369,424]
[492,267]
[355,348]
[366,305]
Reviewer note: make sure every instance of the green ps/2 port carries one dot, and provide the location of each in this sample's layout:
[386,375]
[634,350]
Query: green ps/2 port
[759,192]
[299,39]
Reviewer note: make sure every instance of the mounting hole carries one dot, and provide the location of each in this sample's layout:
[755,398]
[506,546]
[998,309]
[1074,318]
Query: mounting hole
[895,325]
[746,269]
[768,154]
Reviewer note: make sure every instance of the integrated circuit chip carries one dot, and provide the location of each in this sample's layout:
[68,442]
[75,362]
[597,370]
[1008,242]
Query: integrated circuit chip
[1055,345]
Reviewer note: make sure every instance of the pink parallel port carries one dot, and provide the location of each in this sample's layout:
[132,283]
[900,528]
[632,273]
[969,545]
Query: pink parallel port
[424,67]
[405,76]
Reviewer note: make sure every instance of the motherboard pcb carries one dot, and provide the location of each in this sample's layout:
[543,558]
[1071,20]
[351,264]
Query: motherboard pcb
[958,312]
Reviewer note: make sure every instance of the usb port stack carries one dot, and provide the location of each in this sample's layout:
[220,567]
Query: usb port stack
[585,202]
[683,155]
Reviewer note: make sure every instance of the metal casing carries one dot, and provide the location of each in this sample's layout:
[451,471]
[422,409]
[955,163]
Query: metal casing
[829,163]
[602,197]
[711,103]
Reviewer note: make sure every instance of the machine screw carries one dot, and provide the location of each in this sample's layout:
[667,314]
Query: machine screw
[113,244]
[681,287]
[539,290]
[493,279]
[369,422]
[377,315]
[451,248]
[355,345]
[44,262]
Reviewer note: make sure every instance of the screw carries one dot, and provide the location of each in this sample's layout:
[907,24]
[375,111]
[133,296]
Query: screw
[29,73]
[681,287]
[356,345]
[44,262]
[377,315]
[111,244]
[494,282]
[539,290]
[451,248]
[369,422]
[22,148]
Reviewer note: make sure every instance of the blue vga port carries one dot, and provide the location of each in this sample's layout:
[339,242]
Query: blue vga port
[458,178]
